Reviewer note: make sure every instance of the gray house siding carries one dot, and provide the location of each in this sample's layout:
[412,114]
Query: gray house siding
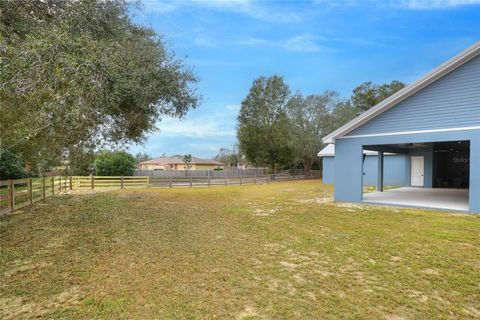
[394,166]
[328,170]
[450,102]
[395,170]
[349,155]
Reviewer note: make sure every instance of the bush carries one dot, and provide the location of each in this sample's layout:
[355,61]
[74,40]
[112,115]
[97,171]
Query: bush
[117,163]
[11,166]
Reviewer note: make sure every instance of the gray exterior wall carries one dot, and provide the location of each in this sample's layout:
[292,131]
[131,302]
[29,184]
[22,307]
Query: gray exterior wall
[395,168]
[349,157]
[450,102]
[328,170]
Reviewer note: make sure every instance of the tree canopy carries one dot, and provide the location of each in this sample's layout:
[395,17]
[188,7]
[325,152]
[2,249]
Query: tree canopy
[279,129]
[82,74]
[369,94]
[309,123]
[263,126]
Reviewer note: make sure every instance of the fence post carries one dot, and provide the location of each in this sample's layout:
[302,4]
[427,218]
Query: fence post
[190,179]
[121,182]
[43,187]
[30,191]
[254,177]
[53,185]
[11,194]
[208,175]
[65,184]
[71,182]
[148,182]
[93,181]
[240,173]
[225,176]
[170,178]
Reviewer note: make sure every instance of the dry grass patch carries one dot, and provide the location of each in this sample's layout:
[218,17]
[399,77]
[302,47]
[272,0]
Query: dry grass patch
[276,251]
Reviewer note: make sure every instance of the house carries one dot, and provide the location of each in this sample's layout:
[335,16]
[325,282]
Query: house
[395,167]
[177,163]
[435,123]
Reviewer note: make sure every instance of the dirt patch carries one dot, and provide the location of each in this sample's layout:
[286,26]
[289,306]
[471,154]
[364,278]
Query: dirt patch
[273,284]
[249,313]
[419,296]
[264,212]
[311,295]
[471,311]
[394,317]
[316,200]
[431,271]
[23,266]
[324,273]
[289,265]
[298,278]
[20,308]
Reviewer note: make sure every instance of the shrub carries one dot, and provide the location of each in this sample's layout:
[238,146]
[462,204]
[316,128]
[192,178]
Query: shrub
[11,166]
[116,163]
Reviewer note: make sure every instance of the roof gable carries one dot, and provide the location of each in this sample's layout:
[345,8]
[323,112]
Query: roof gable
[450,103]
[436,74]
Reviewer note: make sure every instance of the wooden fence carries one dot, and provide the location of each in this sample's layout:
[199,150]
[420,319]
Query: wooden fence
[15,194]
[229,172]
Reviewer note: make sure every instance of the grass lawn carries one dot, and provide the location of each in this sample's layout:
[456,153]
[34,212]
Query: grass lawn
[276,251]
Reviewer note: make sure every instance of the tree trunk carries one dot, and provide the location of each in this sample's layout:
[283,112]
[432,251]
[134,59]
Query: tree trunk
[307,166]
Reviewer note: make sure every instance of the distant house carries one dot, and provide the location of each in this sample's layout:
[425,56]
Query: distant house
[177,163]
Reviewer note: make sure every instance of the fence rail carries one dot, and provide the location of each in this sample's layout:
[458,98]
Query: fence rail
[230,172]
[16,194]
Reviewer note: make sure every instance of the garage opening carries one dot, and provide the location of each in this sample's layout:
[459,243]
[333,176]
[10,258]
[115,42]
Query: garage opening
[451,165]
[436,175]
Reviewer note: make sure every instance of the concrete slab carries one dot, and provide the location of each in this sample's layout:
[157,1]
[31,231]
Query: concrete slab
[445,199]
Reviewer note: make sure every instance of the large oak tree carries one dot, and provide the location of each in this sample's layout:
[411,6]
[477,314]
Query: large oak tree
[75,75]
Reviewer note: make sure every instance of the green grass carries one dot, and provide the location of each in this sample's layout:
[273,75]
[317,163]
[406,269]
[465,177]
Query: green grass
[276,251]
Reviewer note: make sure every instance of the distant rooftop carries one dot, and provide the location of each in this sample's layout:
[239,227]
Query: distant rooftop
[179,160]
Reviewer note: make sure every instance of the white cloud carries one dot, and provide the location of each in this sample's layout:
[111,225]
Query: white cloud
[403,4]
[251,8]
[233,107]
[203,40]
[435,4]
[300,43]
[194,128]
[303,43]
[201,135]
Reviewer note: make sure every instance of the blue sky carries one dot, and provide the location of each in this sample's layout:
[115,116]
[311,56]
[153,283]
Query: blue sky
[316,45]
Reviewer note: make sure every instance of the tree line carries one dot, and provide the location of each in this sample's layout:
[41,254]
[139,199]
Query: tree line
[278,129]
